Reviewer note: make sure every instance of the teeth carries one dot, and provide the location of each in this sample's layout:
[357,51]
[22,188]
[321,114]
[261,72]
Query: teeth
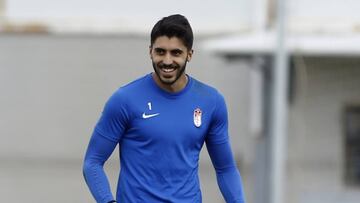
[168,70]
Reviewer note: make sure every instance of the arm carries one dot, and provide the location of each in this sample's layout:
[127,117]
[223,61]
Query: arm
[218,146]
[106,135]
[227,174]
[99,150]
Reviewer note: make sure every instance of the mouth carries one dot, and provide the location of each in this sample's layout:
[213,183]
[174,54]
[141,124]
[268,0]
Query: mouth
[168,69]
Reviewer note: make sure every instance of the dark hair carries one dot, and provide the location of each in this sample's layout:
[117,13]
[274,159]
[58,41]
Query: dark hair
[173,26]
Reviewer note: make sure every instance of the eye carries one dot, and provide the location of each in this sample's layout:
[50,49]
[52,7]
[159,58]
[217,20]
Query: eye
[176,52]
[159,51]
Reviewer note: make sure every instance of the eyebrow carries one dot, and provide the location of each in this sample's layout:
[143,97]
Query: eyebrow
[173,50]
[177,50]
[159,49]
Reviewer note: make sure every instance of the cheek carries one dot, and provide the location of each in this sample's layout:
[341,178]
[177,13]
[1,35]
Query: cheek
[180,60]
[155,60]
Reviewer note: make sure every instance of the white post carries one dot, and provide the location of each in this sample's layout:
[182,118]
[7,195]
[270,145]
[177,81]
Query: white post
[256,98]
[278,126]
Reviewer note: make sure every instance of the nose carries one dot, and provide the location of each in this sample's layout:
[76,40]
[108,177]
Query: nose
[167,59]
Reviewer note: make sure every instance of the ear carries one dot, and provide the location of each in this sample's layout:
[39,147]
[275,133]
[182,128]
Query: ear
[189,55]
[150,49]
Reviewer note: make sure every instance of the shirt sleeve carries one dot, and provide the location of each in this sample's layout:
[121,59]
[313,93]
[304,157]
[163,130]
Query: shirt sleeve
[114,119]
[99,150]
[218,146]
[106,135]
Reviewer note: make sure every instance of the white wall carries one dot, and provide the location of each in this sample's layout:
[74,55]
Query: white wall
[324,16]
[53,88]
[320,16]
[316,138]
[133,16]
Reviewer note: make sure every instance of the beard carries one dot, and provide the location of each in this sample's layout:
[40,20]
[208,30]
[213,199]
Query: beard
[168,81]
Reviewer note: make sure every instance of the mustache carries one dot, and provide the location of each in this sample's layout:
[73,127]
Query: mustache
[162,65]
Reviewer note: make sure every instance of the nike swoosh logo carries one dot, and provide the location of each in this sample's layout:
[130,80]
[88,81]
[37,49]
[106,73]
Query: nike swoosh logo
[145,116]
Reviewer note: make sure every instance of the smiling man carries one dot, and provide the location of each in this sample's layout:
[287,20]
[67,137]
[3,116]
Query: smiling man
[169,57]
[160,122]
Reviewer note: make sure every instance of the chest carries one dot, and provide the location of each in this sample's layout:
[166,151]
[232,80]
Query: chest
[169,122]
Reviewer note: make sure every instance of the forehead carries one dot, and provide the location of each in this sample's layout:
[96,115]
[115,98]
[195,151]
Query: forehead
[167,43]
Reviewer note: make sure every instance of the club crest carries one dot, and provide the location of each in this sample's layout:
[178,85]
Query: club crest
[197,117]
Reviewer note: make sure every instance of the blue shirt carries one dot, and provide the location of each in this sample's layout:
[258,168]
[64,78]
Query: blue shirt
[160,135]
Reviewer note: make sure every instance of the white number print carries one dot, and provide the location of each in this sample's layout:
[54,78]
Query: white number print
[149,104]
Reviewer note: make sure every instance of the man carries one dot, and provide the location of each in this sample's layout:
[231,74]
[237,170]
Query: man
[161,122]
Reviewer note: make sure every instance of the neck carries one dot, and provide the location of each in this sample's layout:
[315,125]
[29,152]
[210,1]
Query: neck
[177,86]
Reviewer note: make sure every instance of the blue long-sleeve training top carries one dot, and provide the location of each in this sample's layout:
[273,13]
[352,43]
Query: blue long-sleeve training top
[160,135]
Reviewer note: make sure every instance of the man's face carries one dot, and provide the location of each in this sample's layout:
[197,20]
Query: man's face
[169,57]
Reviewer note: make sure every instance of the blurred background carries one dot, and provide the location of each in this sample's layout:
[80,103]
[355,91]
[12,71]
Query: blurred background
[61,60]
